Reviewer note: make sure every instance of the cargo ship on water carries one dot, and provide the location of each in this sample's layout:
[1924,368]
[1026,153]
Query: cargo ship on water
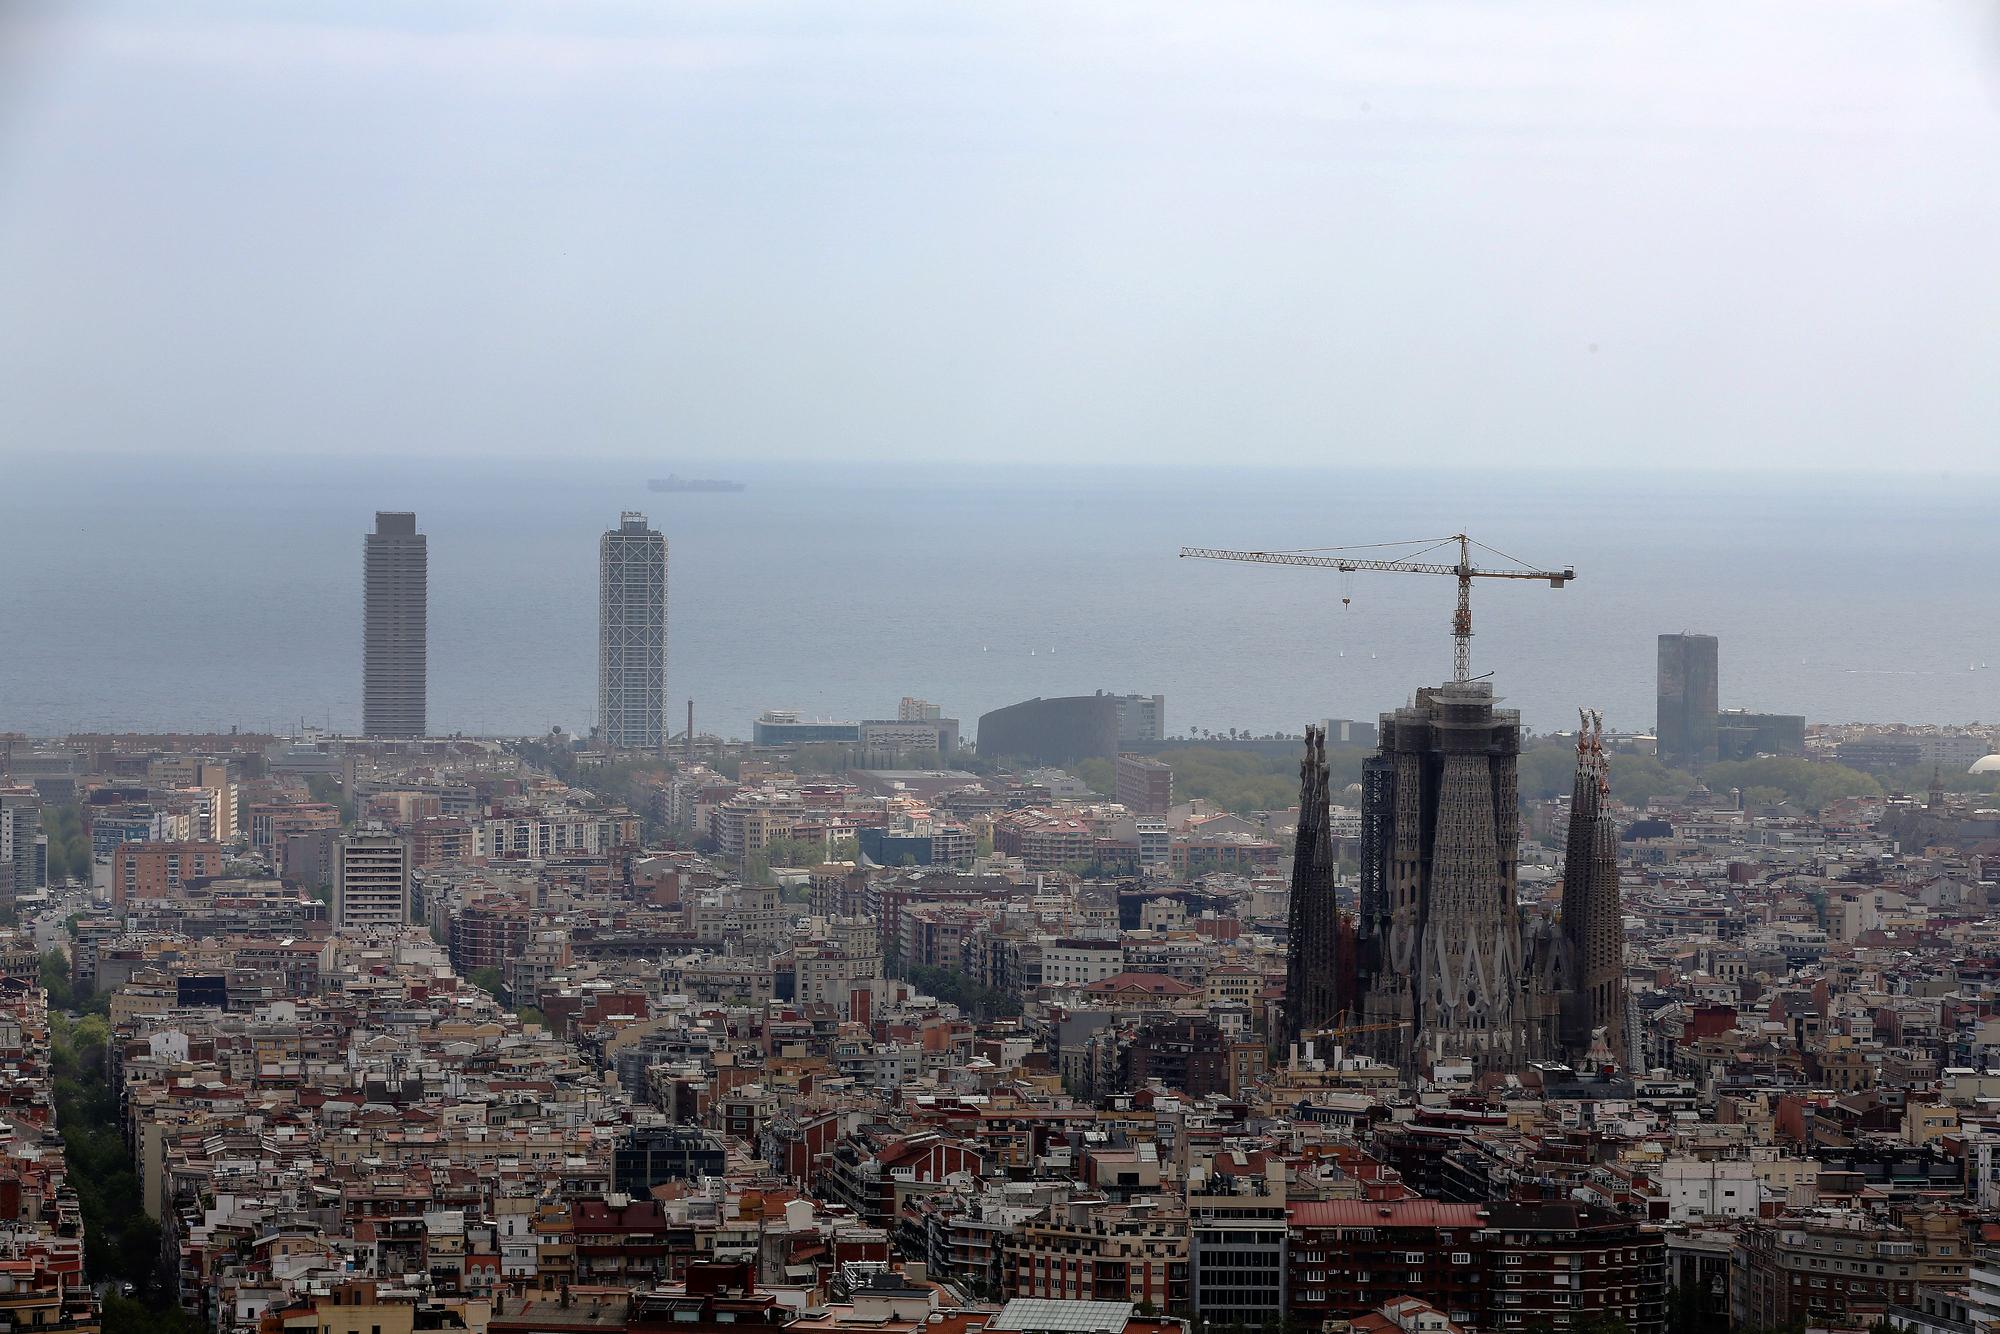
[675,482]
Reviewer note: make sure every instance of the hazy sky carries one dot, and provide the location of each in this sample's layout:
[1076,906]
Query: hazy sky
[1690,233]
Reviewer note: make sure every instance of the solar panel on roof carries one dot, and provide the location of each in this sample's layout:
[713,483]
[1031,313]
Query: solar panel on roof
[1041,1315]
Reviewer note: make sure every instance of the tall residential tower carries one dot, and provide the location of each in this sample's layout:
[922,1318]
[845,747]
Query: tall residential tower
[632,636]
[394,594]
[371,881]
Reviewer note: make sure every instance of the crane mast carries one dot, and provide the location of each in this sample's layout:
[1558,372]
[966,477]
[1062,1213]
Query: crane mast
[1463,570]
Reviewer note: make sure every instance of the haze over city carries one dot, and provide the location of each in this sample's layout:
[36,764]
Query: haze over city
[673,667]
[1535,235]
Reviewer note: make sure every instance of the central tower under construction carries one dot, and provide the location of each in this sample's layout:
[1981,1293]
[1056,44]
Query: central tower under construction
[1447,970]
[1440,933]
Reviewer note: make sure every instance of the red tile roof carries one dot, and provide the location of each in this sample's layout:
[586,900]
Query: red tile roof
[1150,984]
[1394,1213]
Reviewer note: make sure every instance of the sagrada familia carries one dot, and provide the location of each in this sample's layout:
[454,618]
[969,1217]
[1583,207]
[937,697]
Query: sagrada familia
[1439,966]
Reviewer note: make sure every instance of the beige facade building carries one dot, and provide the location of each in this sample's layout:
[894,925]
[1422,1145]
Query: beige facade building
[371,882]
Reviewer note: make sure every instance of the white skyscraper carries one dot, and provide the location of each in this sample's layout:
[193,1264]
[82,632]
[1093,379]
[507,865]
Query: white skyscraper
[632,636]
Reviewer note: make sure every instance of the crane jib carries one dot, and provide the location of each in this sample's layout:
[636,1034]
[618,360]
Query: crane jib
[1464,571]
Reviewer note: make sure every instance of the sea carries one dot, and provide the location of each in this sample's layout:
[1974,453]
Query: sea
[167,592]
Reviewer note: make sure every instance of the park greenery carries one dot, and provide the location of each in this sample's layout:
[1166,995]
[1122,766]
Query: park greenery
[326,788]
[1547,769]
[1235,780]
[1808,786]
[791,854]
[551,753]
[69,844]
[599,776]
[55,981]
[958,989]
[1918,779]
[1245,781]
[808,851]
[121,1242]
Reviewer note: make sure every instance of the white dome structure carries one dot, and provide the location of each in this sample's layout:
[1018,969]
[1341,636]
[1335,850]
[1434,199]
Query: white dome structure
[1985,764]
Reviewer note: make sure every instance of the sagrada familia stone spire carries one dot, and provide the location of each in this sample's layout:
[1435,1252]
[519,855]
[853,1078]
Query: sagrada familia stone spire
[1593,923]
[1314,969]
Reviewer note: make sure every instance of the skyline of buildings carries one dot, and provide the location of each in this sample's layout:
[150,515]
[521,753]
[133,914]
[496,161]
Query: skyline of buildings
[732,1032]
[633,631]
[500,1012]
[632,710]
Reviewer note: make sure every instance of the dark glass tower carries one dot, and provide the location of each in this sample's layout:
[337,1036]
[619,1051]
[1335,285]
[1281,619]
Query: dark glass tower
[1689,694]
[395,612]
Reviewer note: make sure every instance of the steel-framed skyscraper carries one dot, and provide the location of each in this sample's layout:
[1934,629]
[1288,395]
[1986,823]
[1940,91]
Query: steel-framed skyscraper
[395,613]
[632,636]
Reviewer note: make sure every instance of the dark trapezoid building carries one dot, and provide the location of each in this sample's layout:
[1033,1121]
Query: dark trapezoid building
[1052,731]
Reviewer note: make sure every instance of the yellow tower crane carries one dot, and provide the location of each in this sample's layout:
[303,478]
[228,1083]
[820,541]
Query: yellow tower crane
[1335,558]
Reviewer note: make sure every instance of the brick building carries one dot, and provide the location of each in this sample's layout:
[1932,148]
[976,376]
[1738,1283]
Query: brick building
[1819,1268]
[1503,1266]
[156,870]
[1183,1052]
[1143,785]
[488,932]
[1088,1250]
[442,841]
[271,823]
